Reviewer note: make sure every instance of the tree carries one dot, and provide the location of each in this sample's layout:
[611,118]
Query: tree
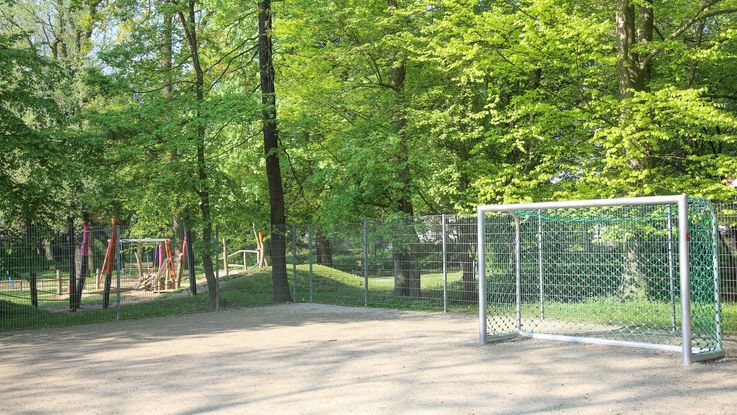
[272,152]
[188,20]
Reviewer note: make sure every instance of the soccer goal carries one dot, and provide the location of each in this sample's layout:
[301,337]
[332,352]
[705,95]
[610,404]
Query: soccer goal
[640,272]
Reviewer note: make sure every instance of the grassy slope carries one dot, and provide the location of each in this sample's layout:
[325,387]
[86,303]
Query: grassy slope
[328,286]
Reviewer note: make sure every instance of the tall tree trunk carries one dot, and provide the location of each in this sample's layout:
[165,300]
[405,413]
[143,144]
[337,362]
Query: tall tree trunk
[271,150]
[59,47]
[166,55]
[406,252]
[190,28]
[48,250]
[627,66]
[467,234]
[633,70]
[324,250]
[694,65]
[406,243]
[633,74]
[166,67]
[728,263]
[644,37]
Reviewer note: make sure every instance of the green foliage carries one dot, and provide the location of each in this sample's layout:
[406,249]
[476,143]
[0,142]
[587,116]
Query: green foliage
[384,108]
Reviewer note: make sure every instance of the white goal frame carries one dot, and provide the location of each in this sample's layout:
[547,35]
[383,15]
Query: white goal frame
[682,203]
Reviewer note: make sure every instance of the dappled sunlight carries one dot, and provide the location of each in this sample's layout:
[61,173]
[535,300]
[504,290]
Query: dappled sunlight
[308,358]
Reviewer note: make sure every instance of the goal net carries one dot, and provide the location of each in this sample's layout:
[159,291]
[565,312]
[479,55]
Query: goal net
[636,272]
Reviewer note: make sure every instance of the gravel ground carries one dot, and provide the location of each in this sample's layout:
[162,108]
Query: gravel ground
[317,359]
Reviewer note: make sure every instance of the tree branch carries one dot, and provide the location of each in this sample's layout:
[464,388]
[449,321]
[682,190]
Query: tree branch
[700,15]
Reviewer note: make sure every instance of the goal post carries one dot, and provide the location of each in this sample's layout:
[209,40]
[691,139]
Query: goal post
[638,272]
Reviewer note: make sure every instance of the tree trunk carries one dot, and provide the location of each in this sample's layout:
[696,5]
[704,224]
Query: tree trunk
[728,264]
[166,66]
[166,58]
[324,250]
[634,282]
[627,68]
[467,242]
[72,268]
[83,262]
[633,70]
[694,65]
[190,28]
[48,250]
[633,74]
[406,253]
[644,37]
[279,278]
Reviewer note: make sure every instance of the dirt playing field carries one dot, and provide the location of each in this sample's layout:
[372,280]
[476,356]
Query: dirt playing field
[317,359]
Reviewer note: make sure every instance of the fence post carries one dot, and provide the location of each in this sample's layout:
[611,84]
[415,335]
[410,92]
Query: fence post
[365,262]
[445,266]
[517,271]
[118,246]
[482,274]
[34,289]
[225,257]
[684,279]
[217,267]
[540,263]
[58,281]
[715,262]
[294,261]
[309,250]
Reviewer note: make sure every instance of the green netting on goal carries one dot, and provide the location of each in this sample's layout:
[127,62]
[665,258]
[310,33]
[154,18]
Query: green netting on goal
[602,273]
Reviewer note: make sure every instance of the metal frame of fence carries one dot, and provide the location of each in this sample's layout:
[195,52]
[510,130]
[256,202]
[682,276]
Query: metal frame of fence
[421,263]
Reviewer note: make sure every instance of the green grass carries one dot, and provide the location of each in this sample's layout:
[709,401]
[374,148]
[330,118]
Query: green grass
[331,286]
[22,316]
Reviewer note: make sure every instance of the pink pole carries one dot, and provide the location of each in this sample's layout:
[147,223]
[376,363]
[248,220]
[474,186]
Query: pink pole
[161,257]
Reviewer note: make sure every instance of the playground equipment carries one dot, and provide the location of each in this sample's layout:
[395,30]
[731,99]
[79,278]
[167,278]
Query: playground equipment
[259,252]
[164,272]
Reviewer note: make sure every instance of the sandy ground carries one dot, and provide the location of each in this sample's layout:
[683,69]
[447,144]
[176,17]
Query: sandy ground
[317,359]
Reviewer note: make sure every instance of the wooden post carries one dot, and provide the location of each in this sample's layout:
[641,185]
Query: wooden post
[161,276]
[171,275]
[255,236]
[34,290]
[139,267]
[260,257]
[179,270]
[58,281]
[225,256]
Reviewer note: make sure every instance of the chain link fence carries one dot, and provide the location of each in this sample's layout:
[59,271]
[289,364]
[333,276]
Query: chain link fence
[420,263]
[94,273]
[606,274]
[423,263]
